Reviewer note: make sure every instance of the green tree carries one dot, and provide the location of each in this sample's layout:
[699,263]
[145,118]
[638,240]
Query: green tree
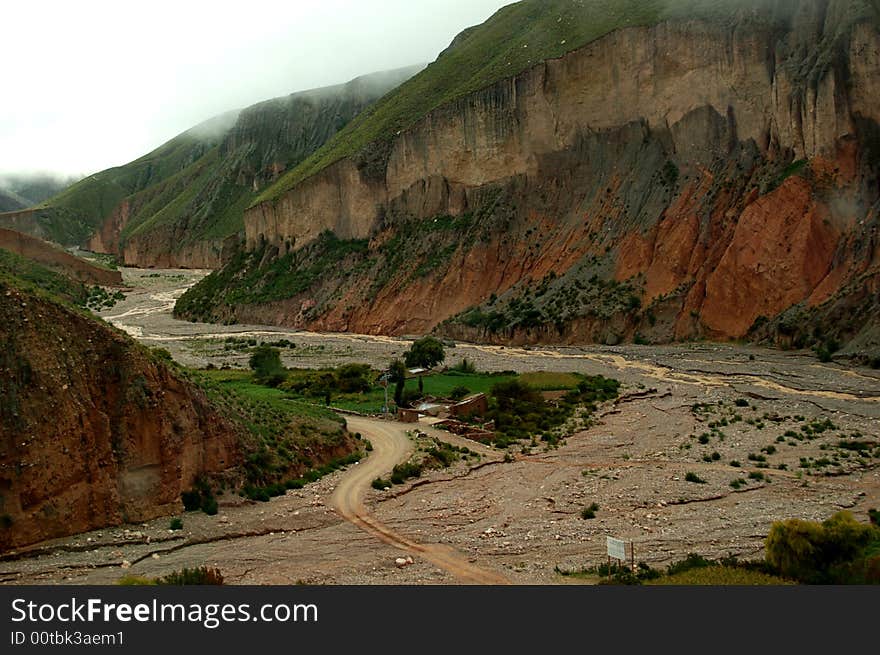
[266,364]
[397,372]
[425,353]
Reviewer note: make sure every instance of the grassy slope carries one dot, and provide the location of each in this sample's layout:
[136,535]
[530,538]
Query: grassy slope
[516,38]
[72,215]
[29,276]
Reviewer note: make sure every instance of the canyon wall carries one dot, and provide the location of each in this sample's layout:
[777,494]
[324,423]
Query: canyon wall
[723,169]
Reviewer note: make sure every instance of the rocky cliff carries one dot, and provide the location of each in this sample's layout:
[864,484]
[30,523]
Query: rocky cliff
[78,451]
[696,177]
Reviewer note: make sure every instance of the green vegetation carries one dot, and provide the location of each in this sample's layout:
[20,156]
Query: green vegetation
[196,576]
[266,364]
[516,38]
[520,412]
[690,476]
[27,275]
[589,512]
[254,278]
[176,524]
[284,434]
[839,550]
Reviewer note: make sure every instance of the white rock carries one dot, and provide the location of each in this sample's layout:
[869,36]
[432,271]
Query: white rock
[125,564]
[400,562]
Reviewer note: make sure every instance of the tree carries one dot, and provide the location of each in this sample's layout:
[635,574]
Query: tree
[266,364]
[425,353]
[397,372]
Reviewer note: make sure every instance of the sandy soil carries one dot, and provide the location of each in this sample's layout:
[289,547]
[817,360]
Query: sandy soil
[518,521]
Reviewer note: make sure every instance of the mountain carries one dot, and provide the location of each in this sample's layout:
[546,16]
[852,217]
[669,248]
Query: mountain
[34,188]
[593,171]
[121,443]
[10,201]
[182,204]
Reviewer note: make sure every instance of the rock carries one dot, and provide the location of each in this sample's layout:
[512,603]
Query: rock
[400,562]
[125,564]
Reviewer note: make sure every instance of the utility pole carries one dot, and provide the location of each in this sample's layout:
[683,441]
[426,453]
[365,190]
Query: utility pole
[384,379]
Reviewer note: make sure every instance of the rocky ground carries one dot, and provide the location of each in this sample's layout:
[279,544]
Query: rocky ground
[697,409]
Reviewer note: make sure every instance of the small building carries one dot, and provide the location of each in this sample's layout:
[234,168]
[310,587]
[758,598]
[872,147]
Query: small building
[407,415]
[476,404]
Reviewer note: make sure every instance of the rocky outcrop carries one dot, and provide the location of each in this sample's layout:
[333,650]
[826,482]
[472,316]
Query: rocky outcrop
[78,452]
[57,260]
[721,168]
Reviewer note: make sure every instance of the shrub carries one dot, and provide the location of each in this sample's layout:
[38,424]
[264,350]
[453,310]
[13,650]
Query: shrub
[192,500]
[209,505]
[756,475]
[832,552]
[703,439]
[741,402]
[176,524]
[380,484]
[689,563]
[459,392]
[465,366]
[693,477]
[589,512]
[735,463]
[195,576]
[736,484]
[266,364]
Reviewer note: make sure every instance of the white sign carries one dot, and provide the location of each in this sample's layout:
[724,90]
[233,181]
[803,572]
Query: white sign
[617,549]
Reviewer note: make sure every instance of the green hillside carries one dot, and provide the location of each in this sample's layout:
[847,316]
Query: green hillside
[200,182]
[73,215]
[516,38]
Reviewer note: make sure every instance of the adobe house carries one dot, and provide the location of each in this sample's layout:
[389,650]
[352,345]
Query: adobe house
[407,415]
[476,404]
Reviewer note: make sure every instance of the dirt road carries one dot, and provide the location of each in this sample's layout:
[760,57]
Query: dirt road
[391,446]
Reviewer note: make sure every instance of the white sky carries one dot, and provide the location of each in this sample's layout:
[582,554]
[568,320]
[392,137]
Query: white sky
[89,84]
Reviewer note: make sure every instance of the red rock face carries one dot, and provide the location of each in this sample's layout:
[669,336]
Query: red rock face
[79,452]
[782,248]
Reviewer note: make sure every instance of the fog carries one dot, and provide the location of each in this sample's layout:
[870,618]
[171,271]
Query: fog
[92,84]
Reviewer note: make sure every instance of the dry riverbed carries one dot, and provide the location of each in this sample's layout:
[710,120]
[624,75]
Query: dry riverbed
[697,409]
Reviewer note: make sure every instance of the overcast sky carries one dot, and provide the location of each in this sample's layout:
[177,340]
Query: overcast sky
[96,83]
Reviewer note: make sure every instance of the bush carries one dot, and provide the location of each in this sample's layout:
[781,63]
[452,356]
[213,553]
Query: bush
[756,475]
[209,506]
[192,500]
[465,366]
[589,512]
[459,392]
[741,402]
[689,563]
[199,576]
[835,551]
[176,524]
[402,472]
[380,484]
[266,364]
[693,477]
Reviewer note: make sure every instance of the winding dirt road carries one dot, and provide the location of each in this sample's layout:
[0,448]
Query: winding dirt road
[391,446]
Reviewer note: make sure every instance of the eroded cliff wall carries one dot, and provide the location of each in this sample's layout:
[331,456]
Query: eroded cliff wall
[720,171]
